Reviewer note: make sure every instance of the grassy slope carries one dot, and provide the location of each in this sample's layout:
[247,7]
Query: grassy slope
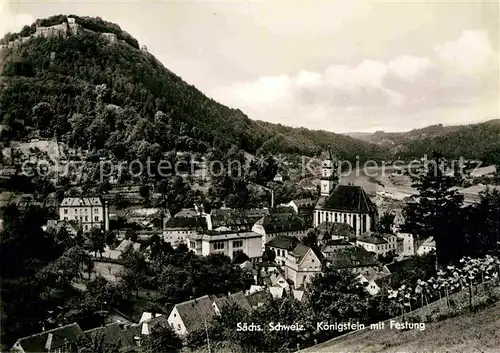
[471,332]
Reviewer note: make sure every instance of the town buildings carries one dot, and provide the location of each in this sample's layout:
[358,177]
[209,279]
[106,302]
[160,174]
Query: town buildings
[58,340]
[383,245]
[280,224]
[88,212]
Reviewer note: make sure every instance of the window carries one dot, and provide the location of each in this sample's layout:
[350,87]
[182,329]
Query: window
[65,211]
[218,246]
[76,210]
[345,218]
[96,218]
[96,210]
[178,326]
[86,218]
[237,243]
[192,244]
[86,227]
[65,218]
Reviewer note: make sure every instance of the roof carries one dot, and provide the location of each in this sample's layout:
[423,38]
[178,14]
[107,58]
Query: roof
[238,298]
[258,298]
[377,240]
[214,235]
[429,242]
[282,222]
[347,198]
[115,334]
[37,342]
[283,242]
[300,251]
[126,243]
[194,312]
[352,258]
[327,229]
[383,281]
[304,202]
[187,222]
[81,201]
[187,213]
[231,217]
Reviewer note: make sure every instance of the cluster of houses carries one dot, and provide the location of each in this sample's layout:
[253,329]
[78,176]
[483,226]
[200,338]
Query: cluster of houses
[343,220]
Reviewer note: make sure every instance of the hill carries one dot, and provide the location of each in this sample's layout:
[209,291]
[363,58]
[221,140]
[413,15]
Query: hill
[471,332]
[89,82]
[476,141]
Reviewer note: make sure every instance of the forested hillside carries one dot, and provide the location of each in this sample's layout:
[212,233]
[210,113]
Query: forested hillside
[479,141]
[96,94]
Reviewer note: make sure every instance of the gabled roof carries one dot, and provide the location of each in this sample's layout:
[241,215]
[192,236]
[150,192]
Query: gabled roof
[258,298]
[347,198]
[238,298]
[283,242]
[231,217]
[194,312]
[377,240]
[59,336]
[114,334]
[187,213]
[81,201]
[327,229]
[300,251]
[282,222]
[352,258]
[187,222]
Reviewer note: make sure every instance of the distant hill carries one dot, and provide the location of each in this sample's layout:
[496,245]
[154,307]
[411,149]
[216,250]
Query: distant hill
[469,141]
[91,84]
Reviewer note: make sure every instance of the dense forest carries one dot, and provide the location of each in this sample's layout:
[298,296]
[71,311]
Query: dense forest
[98,95]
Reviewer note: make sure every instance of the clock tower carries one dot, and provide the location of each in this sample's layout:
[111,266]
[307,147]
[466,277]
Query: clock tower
[328,174]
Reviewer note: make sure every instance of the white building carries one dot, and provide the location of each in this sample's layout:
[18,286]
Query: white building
[88,212]
[379,244]
[280,224]
[191,315]
[429,245]
[227,242]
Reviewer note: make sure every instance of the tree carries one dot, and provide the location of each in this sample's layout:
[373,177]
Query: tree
[96,240]
[437,211]
[145,192]
[386,222]
[162,339]
[268,255]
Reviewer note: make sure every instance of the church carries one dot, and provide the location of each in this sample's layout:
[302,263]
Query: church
[343,203]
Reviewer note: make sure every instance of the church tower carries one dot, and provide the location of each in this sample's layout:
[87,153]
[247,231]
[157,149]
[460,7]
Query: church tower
[328,174]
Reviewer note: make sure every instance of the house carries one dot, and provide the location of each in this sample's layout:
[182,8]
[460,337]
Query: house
[228,242]
[58,340]
[89,212]
[333,246]
[239,299]
[277,292]
[304,208]
[301,265]
[126,338]
[399,220]
[372,279]
[236,219]
[333,230]
[429,245]
[191,315]
[281,245]
[177,229]
[280,224]
[379,244]
[356,260]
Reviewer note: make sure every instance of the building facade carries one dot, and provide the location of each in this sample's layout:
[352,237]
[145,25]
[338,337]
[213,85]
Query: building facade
[88,212]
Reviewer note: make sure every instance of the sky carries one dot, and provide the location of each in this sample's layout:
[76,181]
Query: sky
[342,66]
